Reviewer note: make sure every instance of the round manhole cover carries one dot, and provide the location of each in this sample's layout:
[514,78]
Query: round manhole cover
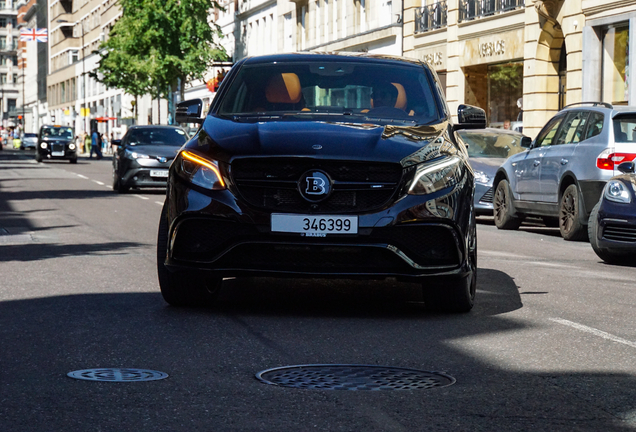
[353,377]
[117,375]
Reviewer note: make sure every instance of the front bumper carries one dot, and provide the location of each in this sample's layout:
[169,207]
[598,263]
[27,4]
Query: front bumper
[139,176]
[483,199]
[57,154]
[415,238]
[617,226]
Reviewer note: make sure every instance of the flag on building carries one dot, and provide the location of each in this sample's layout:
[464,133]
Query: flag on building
[30,35]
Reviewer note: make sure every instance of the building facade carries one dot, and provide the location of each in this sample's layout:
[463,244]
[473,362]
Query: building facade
[9,37]
[525,60]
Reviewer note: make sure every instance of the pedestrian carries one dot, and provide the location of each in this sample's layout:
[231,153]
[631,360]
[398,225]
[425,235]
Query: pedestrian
[87,143]
[105,145]
[507,125]
[96,145]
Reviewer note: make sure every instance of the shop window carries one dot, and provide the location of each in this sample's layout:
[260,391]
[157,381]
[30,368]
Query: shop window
[505,88]
[615,65]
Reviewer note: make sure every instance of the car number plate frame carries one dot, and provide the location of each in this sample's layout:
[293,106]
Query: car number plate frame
[57,153]
[314,225]
[159,173]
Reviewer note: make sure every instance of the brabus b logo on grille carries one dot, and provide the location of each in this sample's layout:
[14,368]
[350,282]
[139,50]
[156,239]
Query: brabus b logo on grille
[314,185]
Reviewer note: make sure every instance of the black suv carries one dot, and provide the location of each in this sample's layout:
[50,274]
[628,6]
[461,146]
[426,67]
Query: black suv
[322,165]
[56,142]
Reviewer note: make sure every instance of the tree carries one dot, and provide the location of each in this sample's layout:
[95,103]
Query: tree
[156,43]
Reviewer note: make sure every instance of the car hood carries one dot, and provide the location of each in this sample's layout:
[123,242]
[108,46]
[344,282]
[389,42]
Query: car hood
[488,166]
[225,140]
[156,150]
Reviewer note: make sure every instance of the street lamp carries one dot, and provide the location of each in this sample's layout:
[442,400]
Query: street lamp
[83,110]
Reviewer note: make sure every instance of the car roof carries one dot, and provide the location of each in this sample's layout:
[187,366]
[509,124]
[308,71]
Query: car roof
[608,109]
[333,56]
[154,127]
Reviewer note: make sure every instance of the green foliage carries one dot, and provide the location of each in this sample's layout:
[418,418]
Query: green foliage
[157,42]
[504,77]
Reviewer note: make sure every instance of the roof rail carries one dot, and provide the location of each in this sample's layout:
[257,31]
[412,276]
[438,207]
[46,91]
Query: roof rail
[605,104]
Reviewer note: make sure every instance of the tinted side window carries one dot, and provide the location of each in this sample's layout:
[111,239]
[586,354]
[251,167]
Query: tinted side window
[573,128]
[548,132]
[595,126]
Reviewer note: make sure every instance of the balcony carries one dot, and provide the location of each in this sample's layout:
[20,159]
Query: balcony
[431,17]
[472,9]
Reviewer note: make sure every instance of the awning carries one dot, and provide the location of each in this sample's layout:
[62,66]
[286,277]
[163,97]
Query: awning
[105,119]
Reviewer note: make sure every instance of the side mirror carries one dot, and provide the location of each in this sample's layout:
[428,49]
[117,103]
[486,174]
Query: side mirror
[526,142]
[115,142]
[470,117]
[627,167]
[189,111]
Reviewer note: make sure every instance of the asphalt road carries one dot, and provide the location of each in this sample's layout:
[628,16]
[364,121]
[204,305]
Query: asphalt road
[549,346]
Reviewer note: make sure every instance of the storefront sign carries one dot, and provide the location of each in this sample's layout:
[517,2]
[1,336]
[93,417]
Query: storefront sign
[489,49]
[434,59]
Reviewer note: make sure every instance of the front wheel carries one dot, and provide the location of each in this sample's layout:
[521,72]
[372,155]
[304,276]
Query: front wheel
[569,215]
[182,288]
[117,184]
[38,158]
[502,208]
[73,161]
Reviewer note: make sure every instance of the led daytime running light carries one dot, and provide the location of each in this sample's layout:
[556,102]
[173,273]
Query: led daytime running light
[199,160]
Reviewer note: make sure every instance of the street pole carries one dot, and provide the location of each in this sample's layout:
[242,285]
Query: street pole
[84,77]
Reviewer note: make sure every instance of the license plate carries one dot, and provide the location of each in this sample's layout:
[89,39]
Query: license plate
[318,226]
[159,173]
[57,153]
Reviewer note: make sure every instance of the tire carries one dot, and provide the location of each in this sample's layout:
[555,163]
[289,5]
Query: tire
[181,288]
[604,254]
[38,158]
[569,215]
[502,204]
[73,161]
[117,186]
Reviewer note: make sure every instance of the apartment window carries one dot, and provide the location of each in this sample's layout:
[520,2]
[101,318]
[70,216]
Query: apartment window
[14,59]
[3,42]
[3,78]
[3,4]
[15,78]
[615,65]
[3,22]
[73,94]
[63,92]
[4,60]
[15,44]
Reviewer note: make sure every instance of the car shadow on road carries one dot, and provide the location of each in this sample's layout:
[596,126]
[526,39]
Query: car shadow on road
[34,251]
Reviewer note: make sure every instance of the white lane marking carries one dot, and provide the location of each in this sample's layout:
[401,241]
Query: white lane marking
[159,202]
[594,331]
[81,176]
[142,197]
[504,254]
[98,182]
[547,264]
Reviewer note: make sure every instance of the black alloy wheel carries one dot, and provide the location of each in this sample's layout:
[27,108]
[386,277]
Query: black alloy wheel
[502,206]
[569,209]
[117,185]
[602,253]
[182,288]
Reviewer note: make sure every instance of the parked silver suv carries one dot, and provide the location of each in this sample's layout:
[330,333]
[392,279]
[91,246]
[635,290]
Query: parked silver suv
[562,175]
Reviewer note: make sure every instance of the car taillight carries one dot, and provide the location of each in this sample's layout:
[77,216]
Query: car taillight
[608,159]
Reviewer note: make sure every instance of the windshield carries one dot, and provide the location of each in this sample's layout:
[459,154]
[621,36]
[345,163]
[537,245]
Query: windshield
[156,136]
[57,132]
[318,88]
[491,144]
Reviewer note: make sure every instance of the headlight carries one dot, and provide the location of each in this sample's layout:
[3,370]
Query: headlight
[434,176]
[135,155]
[616,191]
[481,177]
[200,171]
[43,145]
[71,146]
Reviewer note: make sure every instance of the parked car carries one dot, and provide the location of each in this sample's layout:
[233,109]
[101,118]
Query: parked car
[487,150]
[56,143]
[562,175]
[322,165]
[29,141]
[143,155]
[612,223]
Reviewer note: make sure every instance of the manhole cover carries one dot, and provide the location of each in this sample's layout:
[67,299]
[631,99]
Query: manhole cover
[353,377]
[117,375]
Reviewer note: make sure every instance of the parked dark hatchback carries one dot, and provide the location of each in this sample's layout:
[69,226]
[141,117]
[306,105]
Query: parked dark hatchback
[322,165]
[612,223]
[144,155]
[56,142]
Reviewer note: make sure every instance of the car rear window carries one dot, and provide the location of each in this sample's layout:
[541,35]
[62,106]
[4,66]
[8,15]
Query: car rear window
[625,129]
[30,135]
[357,90]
